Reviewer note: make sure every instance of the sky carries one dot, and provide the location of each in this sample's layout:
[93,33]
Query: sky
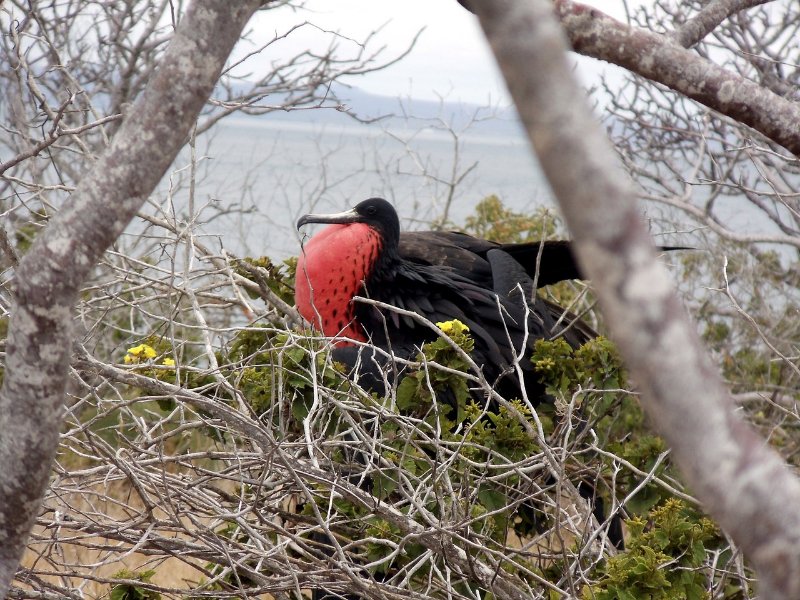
[450,60]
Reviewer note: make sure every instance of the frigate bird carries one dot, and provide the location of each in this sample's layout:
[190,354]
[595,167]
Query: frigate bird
[438,277]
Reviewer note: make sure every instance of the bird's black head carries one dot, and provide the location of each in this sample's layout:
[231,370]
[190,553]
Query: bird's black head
[375,212]
[381,215]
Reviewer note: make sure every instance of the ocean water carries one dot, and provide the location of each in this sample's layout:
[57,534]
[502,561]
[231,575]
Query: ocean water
[256,176]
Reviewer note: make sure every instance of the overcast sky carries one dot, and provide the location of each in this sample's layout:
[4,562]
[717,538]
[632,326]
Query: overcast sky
[451,58]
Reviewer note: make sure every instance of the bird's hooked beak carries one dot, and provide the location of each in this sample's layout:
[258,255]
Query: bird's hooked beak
[348,216]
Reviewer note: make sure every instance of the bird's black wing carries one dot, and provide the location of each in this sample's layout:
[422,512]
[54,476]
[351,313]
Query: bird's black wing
[553,260]
[464,254]
[497,322]
[546,262]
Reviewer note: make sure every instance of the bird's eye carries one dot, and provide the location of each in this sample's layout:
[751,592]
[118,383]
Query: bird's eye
[371,210]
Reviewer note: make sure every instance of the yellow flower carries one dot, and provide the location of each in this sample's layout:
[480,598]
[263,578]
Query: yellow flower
[546,364]
[169,362]
[453,327]
[139,353]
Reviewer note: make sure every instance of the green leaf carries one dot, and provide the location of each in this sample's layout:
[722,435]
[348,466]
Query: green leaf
[407,393]
[492,499]
[299,409]
[133,592]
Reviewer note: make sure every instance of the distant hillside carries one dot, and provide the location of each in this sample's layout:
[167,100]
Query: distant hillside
[404,113]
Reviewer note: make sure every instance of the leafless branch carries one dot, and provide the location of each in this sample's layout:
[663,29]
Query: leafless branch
[49,276]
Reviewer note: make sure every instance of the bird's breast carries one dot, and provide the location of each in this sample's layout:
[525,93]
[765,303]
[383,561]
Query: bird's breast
[331,269]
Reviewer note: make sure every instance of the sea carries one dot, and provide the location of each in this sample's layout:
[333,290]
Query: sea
[255,176]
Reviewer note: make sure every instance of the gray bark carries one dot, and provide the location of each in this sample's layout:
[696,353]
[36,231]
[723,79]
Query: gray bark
[709,18]
[659,59]
[49,277]
[742,482]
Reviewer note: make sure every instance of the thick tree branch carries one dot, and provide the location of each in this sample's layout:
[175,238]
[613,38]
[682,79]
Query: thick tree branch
[742,482]
[661,60]
[50,275]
